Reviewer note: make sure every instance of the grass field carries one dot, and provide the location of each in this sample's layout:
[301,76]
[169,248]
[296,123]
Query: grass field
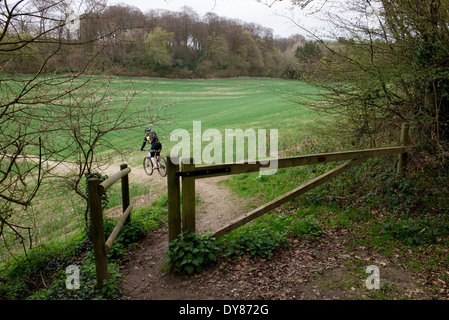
[219,104]
[240,103]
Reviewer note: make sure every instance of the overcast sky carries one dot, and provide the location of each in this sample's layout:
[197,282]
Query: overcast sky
[245,10]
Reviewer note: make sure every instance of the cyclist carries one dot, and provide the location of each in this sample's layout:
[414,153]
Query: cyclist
[156,146]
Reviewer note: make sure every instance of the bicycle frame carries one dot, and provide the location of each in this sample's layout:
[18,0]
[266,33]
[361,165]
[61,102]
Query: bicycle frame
[155,157]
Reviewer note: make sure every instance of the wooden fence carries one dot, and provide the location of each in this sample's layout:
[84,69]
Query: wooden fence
[102,247]
[181,218]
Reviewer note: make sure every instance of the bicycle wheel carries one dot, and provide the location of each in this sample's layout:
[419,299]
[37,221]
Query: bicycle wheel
[148,166]
[162,167]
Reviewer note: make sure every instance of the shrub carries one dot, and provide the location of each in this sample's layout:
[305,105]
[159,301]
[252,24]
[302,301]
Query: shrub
[256,242]
[190,251]
[307,226]
[26,273]
[259,238]
[415,231]
[87,290]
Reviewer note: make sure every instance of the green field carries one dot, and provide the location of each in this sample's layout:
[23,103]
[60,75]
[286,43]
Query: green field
[219,104]
[242,103]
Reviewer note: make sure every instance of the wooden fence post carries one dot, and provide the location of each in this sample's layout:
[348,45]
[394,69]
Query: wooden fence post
[97,226]
[174,205]
[188,195]
[125,192]
[403,157]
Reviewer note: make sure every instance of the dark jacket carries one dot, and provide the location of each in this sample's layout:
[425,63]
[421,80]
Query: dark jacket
[151,137]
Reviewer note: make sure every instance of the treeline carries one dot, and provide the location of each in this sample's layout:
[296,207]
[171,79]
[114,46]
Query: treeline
[183,44]
[169,44]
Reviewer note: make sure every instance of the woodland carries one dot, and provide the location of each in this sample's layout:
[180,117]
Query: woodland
[162,43]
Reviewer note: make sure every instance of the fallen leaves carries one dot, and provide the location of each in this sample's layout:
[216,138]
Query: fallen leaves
[329,267]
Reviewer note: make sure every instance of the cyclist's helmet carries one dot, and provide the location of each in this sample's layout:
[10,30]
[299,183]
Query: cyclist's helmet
[148,129]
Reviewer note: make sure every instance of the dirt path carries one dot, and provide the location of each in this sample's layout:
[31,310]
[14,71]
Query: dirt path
[217,205]
[142,270]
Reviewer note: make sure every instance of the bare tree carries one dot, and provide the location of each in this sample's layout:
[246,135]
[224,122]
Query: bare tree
[53,113]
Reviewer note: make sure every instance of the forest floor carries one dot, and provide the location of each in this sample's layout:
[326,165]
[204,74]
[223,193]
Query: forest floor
[332,266]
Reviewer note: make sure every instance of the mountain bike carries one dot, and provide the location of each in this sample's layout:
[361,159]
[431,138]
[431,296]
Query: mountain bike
[149,167]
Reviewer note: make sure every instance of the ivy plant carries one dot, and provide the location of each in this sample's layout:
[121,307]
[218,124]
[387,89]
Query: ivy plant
[190,251]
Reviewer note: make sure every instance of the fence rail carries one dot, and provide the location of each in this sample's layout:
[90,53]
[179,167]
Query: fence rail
[207,171]
[240,221]
[102,246]
[182,217]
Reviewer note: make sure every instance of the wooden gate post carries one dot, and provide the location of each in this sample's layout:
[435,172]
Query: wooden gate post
[188,195]
[174,205]
[403,157]
[97,226]
[125,192]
